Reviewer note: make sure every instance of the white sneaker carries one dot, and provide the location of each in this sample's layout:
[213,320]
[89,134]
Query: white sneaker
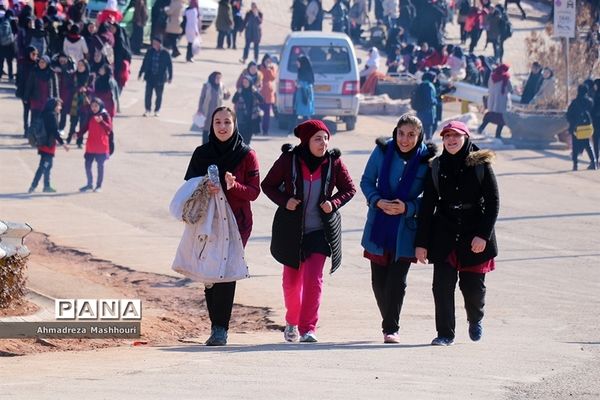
[290,333]
[98,190]
[146,113]
[308,337]
[156,114]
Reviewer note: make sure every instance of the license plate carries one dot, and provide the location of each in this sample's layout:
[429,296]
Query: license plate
[322,88]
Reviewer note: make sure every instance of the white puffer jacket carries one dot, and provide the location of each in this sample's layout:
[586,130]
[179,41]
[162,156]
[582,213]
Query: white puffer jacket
[211,250]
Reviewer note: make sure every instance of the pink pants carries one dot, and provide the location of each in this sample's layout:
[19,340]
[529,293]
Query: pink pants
[302,293]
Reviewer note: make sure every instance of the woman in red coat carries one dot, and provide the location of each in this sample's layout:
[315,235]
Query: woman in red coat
[238,173]
[99,128]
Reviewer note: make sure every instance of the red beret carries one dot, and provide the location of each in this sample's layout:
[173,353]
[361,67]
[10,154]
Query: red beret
[455,126]
[307,129]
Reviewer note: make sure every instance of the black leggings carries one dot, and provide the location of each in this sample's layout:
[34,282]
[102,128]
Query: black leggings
[389,287]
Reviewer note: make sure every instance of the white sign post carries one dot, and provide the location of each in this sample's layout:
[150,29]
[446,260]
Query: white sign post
[565,14]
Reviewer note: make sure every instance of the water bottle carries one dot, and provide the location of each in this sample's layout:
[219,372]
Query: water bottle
[213,174]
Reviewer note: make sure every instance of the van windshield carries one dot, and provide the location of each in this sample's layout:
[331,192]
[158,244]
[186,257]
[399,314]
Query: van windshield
[324,59]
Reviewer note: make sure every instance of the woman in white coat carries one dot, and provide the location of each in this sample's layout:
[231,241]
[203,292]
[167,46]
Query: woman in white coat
[193,23]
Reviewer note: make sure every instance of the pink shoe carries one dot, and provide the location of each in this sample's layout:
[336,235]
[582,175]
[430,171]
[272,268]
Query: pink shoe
[391,338]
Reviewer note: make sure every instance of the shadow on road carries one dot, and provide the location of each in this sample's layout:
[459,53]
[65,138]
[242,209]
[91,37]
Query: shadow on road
[272,347]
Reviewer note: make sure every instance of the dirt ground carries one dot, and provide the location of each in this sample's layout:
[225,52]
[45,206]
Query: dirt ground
[174,309]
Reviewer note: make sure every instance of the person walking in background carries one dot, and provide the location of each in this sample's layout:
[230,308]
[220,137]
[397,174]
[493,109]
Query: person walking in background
[298,15]
[307,225]
[314,16]
[304,97]
[8,35]
[240,182]
[268,69]
[424,102]
[159,18]
[74,45]
[253,32]
[498,102]
[579,115]
[238,22]
[157,69]
[339,17]
[392,183]
[64,69]
[41,86]
[518,3]
[224,23]
[122,56]
[97,148]
[193,23]
[140,18]
[47,150]
[252,71]
[211,97]
[247,103]
[173,30]
[106,89]
[24,74]
[533,83]
[80,91]
[456,230]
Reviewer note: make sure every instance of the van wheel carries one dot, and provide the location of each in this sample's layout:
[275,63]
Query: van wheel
[350,123]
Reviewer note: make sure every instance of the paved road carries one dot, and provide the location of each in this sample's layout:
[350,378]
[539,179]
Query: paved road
[541,338]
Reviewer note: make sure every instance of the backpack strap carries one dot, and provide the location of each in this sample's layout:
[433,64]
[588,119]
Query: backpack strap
[294,174]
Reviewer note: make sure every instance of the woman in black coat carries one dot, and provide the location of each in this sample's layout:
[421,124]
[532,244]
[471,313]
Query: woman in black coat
[580,113]
[596,121]
[456,229]
[309,184]
[298,15]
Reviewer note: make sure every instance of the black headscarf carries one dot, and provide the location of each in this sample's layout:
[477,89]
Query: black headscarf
[46,73]
[312,162]
[82,78]
[452,163]
[225,155]
[102,83]
[305,72]
[248,94]
[99,101]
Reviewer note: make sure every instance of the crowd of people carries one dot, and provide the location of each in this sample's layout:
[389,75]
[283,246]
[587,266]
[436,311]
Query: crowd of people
[421,208]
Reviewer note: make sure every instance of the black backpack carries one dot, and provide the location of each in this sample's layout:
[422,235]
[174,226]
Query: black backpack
[36,133]
[6,35]
[506,28]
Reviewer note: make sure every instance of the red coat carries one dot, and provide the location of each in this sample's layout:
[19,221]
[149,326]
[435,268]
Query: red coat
[98,132]
[245,190]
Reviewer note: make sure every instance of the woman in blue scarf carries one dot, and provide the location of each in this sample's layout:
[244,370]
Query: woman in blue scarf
[393,183]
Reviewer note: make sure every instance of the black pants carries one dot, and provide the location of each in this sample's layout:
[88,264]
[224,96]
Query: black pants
[221,37]
[494,118]
[389,287]
[9,65]
[158,88]
[463,33]
[596,137]
[518,2]
[219,301]
[26,109]
[171,43]
[137,38]
[578,146]
[498,49]
[475,34]
[189,55]
[472,286]
[247,50]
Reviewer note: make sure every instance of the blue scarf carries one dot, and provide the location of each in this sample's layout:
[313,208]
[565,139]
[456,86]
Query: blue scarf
[385,227]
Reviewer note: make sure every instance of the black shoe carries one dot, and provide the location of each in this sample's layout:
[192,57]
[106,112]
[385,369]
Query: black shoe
[574,167]
[442,341]
[475,331]
[218,337]
[592,165]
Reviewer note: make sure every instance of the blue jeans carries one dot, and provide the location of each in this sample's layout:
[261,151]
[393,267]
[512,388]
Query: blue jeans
[247,50]
[89,159]
[43,169]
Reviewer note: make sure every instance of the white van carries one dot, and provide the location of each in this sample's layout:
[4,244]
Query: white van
[335,67]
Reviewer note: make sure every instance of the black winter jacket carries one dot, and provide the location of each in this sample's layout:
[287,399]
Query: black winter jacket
[464,209]
[288,226]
